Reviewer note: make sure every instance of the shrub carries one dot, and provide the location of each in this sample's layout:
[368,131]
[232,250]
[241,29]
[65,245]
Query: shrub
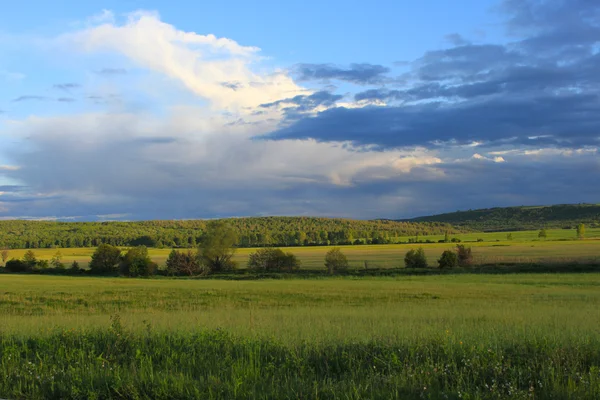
[465,256]
[270,259]
[105,259]
[15,265]
[449,259]
[335,260]
[455,240]
[415,258]
[136,262]
[183,263]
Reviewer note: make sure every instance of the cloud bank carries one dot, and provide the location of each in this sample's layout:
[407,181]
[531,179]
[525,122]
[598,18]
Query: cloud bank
[186,125]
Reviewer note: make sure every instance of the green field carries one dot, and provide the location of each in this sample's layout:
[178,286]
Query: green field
[454,336]
[524,247]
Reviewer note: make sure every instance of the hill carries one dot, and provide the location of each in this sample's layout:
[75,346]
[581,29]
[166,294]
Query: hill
[520,218]
[260,231]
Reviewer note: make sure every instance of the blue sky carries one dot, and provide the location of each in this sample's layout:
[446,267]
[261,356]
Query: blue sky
[154,109]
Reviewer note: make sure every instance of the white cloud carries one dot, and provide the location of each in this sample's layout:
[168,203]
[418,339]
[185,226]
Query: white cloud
[218,69]
[9,167]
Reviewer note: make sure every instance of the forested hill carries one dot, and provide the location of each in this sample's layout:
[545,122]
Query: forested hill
[520,218]
[266,231]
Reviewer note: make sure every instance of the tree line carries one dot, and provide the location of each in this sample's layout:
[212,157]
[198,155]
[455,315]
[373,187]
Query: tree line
[213,255]
[250,232]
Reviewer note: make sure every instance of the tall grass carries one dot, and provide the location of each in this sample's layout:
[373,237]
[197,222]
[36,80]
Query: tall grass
[436,337]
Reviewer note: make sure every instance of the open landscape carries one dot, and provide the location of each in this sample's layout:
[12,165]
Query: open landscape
[520,320]
[300,200]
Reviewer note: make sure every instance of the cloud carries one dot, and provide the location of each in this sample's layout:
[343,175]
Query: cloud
[544,85]
[357,73]
[205,128]
[456,39]
[200,63]
[112,71]
[28,98]
[65,100]
[66,86]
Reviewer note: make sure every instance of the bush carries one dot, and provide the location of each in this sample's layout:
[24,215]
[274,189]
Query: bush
[273,260]
[136,262]
[15,265]
[465,256]
[335,260]
[415,258]
[183,263]
[105,259]
[449,259]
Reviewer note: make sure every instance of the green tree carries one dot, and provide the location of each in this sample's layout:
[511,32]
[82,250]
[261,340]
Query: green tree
[216,249]
[183,263]
[465,256]
[136,262]
[336,261]
[4,255]
[449,259]
[105,259]
[75,267]
[542,234]
[580,231]
[29,259]
[446,237]
[269,259]
[56,261]
[415,258]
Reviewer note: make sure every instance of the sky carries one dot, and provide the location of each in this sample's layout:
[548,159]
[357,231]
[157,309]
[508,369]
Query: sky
[128,110]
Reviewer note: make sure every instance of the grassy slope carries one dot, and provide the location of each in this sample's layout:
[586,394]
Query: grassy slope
[416,337]
[519,218]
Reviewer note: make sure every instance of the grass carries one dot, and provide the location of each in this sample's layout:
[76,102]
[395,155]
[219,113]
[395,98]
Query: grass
[451,336]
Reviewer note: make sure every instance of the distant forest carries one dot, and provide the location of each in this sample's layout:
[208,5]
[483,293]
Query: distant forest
[520,218]
[252,232]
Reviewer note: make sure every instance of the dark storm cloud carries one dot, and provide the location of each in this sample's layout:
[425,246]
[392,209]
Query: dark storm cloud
[357,73]
[545,83]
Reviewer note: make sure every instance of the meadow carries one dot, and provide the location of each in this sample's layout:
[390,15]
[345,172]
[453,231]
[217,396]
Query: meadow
[452,336]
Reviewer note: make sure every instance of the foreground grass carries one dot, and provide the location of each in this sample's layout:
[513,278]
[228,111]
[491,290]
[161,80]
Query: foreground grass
[113,363]
[454,336]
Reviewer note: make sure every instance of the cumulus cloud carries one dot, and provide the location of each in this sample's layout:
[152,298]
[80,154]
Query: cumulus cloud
[201,63]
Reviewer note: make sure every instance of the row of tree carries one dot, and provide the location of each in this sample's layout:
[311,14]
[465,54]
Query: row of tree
[250,232]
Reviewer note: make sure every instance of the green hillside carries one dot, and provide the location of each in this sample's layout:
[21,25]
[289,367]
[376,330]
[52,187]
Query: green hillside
[520,218]
[263,231]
